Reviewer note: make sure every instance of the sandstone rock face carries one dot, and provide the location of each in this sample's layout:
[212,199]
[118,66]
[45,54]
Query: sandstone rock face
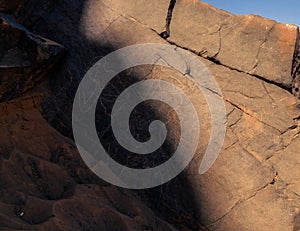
[250,44]
[46,186]
[253,185]
[24,58]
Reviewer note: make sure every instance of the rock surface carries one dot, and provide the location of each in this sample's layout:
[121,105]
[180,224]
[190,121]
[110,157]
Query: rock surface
[251,44]
[296,71]
[24,58]
[253,185]
[45,185]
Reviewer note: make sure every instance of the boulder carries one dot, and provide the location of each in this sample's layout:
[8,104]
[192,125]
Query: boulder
[24,58]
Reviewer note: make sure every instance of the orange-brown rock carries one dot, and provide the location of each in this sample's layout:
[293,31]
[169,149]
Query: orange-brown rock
[253,185]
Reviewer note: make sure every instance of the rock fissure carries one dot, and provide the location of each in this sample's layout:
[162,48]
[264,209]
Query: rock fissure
[252,71]
[241,180]
[165,34]
[296,70]
[249,114]
[216,61]
[239,202]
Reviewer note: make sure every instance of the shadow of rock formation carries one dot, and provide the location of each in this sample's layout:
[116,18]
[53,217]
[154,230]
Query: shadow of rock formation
[253,185]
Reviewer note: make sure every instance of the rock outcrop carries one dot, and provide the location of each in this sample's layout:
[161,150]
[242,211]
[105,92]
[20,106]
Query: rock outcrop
[45,185]
[250,44]
[24,58]
[253,185]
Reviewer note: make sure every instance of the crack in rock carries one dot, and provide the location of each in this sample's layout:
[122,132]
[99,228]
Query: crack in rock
[243,198]
[296,70]
[165,34]
[257,62]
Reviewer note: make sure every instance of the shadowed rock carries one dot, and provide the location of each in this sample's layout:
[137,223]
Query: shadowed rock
[253,185]
[296,71]
[24,58]
[11,6]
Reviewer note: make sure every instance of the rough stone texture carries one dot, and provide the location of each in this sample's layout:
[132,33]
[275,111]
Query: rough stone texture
[45,185]
[139,10]
[250,43]
[253,185]
[296,70]
[24,58]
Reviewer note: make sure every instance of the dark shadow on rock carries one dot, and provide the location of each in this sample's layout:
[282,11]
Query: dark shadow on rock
[24,58]
[59,21]
[297,223]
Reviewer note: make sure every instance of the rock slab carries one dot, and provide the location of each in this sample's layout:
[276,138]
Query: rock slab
[253,185]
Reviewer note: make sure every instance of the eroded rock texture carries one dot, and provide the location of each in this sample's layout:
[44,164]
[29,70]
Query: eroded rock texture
[253,185]
[24,58]
[46,186]
[250,44]
[296,71]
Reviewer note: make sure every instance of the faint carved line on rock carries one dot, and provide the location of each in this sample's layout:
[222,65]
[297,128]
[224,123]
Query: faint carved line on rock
[291,184]
[247,113]
[295,136]
[125,16]
[229,113]
[239,202]
[220,40]
[131,18]
[236,122]
[231,145]
[268,93]
[245,95]
[251,153]
[111,23]
[257,62]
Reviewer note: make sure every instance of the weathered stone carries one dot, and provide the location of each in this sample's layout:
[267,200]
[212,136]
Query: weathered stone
[46,186]
[250,43]
[24,58]
[251,213]
[262,47]
[253,185]
[139,11]
[296,71]
[11,6]
[287,162]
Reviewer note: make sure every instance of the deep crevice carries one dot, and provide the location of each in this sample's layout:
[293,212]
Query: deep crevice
[165,34]
[296,69]
[217,62]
